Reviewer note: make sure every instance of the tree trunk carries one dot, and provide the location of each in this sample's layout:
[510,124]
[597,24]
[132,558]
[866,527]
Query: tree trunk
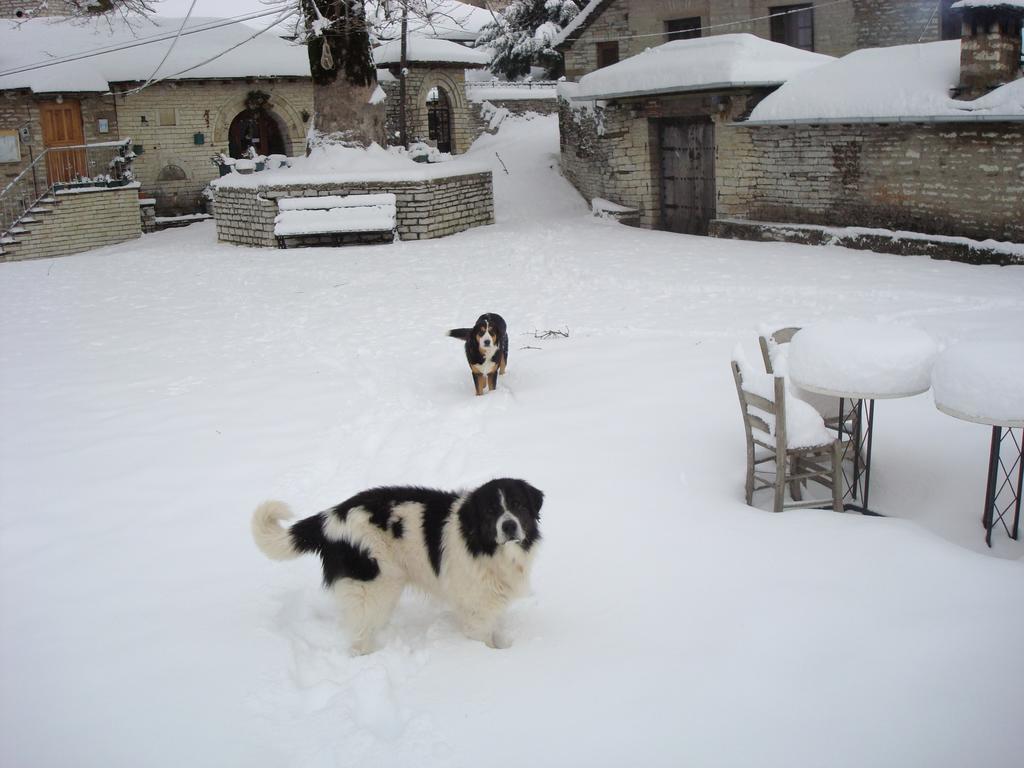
[344,78]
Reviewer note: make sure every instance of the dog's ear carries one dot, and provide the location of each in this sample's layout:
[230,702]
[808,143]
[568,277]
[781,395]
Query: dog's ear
[475,523]
[535,497]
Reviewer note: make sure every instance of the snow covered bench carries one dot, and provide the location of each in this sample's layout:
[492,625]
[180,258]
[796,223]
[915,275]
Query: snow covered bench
[335,220]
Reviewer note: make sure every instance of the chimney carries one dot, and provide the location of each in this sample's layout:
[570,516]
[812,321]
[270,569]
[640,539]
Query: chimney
[990,45]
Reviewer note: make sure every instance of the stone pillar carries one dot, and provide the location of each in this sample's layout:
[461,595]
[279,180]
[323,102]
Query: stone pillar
[990,47]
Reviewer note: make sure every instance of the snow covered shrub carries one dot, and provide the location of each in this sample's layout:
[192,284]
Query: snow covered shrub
[524,35]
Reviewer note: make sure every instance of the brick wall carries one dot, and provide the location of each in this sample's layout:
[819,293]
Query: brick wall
[425,208]
[838,29]
[942,179]
[205,107]
[78,221]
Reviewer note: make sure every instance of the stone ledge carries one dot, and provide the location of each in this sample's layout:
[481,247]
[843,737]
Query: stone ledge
[880,241]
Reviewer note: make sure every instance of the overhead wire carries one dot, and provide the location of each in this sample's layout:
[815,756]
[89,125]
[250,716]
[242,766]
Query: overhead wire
[81,55]
[170,48]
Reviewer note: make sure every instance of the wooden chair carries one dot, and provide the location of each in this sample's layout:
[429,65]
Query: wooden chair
[793,466]
[828,407]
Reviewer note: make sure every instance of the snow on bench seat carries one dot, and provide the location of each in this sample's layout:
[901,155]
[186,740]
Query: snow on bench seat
[334,214]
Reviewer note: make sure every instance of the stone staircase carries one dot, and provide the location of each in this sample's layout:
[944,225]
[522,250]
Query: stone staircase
[74,220]
[17,242]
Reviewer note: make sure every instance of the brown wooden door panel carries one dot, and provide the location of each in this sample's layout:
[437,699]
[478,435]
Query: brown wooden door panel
[62,127]
[687,175]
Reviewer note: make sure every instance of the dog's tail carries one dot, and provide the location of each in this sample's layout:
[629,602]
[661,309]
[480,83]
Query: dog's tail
[460,333]
[280,543]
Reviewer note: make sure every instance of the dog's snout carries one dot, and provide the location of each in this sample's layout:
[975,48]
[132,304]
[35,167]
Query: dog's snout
[509,528]
[487,342]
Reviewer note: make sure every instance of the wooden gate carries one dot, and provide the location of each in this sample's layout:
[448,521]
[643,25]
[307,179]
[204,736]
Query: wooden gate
[687,176]
[62,127]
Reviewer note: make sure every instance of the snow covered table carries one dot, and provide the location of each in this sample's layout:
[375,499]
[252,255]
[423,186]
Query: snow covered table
[983,382]
[860,362]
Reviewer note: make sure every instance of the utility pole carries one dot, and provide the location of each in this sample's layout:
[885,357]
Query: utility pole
[403,69]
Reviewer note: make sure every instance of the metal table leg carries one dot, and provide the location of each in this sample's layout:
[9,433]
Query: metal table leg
[1003,491]
[857,484]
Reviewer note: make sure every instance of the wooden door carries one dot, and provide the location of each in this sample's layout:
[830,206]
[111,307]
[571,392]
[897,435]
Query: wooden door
[62,127]
[256,129]
[687,175]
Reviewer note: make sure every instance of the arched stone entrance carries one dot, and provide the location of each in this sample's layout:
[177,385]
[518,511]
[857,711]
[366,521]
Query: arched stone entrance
[439,118]
[259,129]
[286,117]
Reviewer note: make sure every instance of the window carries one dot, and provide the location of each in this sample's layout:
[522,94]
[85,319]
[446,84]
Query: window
[795,26]
[683,29]
[607,54]
[950,24]
[168,116]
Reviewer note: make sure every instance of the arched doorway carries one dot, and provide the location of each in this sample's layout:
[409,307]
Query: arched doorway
[256,128]
[439,118]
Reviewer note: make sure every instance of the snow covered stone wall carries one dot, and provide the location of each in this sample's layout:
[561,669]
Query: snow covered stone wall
[957,179]
[77,220]
[427,208]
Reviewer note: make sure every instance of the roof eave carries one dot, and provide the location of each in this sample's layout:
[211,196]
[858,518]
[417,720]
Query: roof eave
[885,120]
[724,86]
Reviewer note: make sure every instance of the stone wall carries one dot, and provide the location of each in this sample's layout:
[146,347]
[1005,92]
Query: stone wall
[77,220]
[611,150]
[943,178]
[838,29]
[9,8]
[426,208]
[204,107]
[880,23]
[21,107]
[417,85]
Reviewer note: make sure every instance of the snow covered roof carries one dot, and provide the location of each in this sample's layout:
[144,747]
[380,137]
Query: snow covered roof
[422,49]
[962,5]
[899,83]
[722,61]
[24,43]
[578,25]
[441,19]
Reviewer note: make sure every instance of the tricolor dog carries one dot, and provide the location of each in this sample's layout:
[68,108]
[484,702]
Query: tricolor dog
[472,548]
[486,350]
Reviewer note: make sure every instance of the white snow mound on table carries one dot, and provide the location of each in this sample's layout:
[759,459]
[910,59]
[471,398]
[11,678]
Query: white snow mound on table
[862,359]
[804,426]
[982,380]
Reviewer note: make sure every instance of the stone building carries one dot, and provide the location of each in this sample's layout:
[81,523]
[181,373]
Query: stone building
[437,110]
[217,93]
[871,140]
[607,31]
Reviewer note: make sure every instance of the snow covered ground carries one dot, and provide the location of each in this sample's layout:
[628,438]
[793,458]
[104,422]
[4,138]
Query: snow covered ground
[152,393]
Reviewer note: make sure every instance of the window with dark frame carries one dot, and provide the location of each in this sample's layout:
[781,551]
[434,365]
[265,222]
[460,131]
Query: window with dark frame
[607,54]
[950,23]
[794,25]
[683,29]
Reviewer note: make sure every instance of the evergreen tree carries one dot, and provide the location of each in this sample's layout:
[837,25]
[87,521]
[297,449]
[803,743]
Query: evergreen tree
[524,34]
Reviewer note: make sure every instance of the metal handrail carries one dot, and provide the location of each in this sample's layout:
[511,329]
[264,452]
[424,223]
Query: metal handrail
[20,197]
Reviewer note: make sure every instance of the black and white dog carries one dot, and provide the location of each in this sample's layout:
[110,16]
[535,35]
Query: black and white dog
[473,549]
[486,350]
